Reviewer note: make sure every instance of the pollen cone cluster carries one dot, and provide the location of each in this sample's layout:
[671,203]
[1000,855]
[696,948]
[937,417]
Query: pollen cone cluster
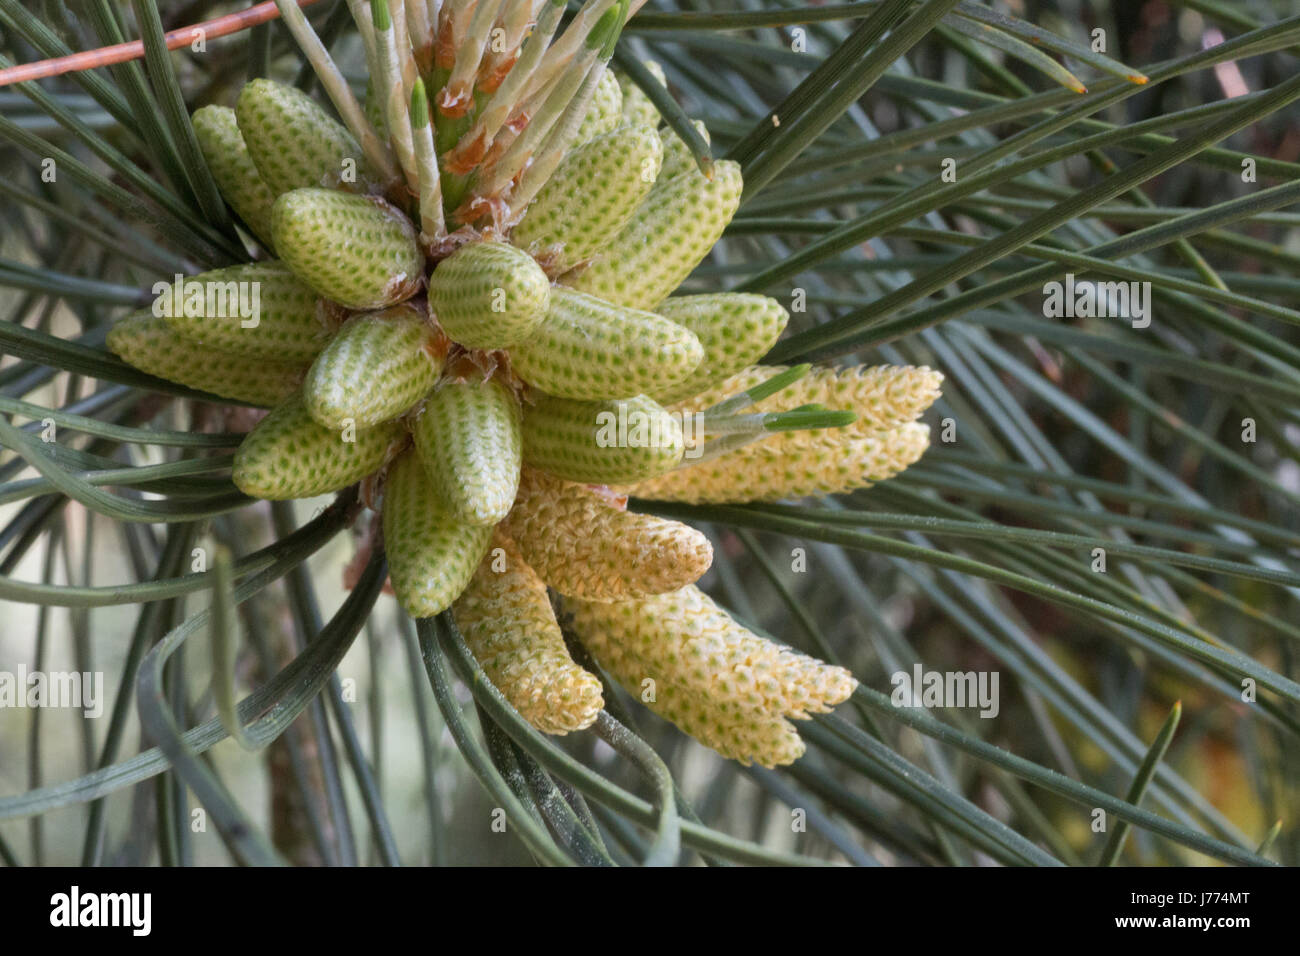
[458,294]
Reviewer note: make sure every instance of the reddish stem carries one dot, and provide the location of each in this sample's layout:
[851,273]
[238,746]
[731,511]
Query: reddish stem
[134,50]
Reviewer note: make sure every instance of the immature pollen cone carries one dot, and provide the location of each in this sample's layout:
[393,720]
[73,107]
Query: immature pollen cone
[483,337]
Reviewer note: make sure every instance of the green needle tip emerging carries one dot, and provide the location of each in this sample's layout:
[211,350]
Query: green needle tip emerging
[801,419]
[419,105]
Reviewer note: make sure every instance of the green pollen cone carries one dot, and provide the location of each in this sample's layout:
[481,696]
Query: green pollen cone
[589,349]
[151,345]
[590,197]
[669,235]
[677,155]
[256,309]
[432,553]
[376,368]
[602,442]
[489,295]
[288,455]
[356,250]
[233,168]
[296,144]
[735,329]
[605,113]
[637,108]
[468,438]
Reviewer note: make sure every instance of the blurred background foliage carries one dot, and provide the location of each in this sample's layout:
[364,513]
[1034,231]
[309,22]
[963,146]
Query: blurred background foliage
[1174,448]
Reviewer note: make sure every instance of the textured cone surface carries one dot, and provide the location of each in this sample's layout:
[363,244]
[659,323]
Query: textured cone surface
[469,439]
[489,295]
[637,108]
[507,621]
[727,686]
[357,250]
[769,741]
[432,554]
[669,235]
[288,326]
[288,455]
[583,546]
[882,396]
[151,345]
[233,168]
[735,329]
[677,155]
[590,197]
[825,464]
[589,349]
[295,143]
[374,369]
[605,112]
[582,441]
